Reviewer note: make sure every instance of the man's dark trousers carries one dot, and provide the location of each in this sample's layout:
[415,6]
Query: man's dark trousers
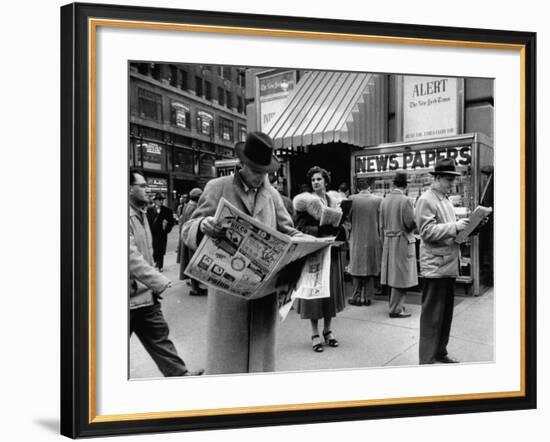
[150,327]
[438,296]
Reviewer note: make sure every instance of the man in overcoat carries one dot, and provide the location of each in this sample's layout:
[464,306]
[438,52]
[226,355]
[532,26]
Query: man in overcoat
[186,253]
[365,244]
[439,262]
[399,252]
[241,333]
[161,220]
[146,286]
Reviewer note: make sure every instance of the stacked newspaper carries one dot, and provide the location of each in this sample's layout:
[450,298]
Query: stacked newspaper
[249,261]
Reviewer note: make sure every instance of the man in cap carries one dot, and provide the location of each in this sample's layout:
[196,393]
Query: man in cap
[241,333]
[161,220]
[439,262]
[146,287]
[398,253]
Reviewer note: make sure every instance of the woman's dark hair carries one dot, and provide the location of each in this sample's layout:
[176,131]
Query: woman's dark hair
[324,173]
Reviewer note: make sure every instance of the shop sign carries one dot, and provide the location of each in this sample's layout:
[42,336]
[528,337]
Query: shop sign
[181,112]
[411,160]
[205,122]
[157,185]
[152,155]
[274,90]
[431,107]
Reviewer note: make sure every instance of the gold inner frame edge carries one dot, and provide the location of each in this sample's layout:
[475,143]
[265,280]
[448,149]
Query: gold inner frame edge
[93,24]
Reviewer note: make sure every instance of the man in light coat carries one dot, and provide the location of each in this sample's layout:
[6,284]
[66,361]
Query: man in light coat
[399,253]
[240,332]
[365,244]
[146,286]
[439,262]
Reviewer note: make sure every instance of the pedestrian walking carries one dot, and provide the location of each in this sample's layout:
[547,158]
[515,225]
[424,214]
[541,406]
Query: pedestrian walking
[146,287]
[186,252]
[241,332]
[439,262]
[308,222]
[161,220]
[365,244]
[397,224]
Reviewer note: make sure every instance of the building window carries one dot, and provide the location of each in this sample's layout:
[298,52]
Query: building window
[221,96]
[241,78]
[143,68]
[226,129]
[240,107]
[183,161]
[152,155]
[183,81]
[228,100]
[198,86]
[227,73]
[242,132]
[205,123]
[208,90]
[149,105]
[219,70]
[173,76]
[180,115]
[206,164]
[156,71]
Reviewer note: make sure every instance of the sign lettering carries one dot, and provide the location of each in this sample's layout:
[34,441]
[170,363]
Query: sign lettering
[421,159]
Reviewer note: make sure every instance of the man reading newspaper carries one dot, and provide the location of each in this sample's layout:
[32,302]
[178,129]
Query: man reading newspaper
[241,332]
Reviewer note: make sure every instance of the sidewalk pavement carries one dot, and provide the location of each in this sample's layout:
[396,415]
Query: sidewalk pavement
[368,337]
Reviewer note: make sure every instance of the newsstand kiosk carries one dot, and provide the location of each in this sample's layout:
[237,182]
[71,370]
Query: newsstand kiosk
[473,154]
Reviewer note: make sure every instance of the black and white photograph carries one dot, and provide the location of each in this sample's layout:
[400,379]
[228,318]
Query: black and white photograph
[290,220]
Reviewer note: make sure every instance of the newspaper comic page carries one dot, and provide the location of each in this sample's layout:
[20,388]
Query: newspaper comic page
[248,257]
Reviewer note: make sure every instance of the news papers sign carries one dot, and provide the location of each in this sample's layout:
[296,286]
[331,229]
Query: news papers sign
[431,107]
[411,160]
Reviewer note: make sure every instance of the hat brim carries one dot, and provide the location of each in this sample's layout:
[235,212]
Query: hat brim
[271,167]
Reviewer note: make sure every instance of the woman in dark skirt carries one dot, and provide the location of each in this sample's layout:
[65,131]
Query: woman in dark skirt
[308,222]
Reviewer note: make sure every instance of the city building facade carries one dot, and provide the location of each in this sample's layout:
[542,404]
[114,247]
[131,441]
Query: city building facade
[183,118]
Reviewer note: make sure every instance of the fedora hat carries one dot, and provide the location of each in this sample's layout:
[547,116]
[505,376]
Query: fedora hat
[159,196]
[445,166]
[400,179]
[257,152]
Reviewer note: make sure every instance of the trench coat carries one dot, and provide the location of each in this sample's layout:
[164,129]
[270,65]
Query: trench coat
[240,333]
[160,235]
[365,245]
[399,251]
[436,221]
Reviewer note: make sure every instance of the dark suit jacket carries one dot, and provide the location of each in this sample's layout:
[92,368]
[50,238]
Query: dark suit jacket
[158,232]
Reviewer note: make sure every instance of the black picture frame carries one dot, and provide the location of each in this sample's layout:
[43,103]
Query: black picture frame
[77,418]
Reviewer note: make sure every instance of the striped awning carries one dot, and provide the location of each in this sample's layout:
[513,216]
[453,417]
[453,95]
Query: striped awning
[328,107]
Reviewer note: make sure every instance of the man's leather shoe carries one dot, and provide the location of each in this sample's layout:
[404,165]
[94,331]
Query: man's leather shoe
[400,315]
[194,373]
[447,360]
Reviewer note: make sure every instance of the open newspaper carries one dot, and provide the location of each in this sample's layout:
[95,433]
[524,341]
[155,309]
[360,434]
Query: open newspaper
[476,217]
[248,261]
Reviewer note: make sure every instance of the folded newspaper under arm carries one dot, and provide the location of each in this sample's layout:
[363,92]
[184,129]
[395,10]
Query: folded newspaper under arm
[476,217]
[246,261]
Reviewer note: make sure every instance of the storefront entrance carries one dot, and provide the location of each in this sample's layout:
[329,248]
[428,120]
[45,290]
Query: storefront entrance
[334,157]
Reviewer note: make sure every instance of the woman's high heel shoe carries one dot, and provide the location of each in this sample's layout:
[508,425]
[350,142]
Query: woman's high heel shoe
[317,344]
[330,340]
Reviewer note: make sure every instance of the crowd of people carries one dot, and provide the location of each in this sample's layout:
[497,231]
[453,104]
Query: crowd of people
[378,234]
